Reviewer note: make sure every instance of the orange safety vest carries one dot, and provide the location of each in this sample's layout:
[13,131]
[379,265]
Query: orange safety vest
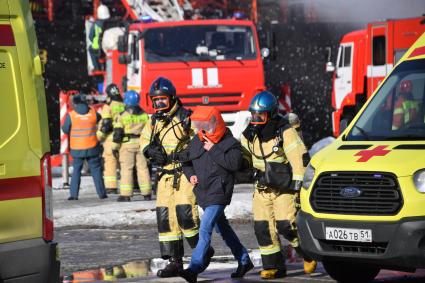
[83,130]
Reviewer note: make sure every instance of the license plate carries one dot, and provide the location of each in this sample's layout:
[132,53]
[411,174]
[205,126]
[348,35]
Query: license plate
[344,234]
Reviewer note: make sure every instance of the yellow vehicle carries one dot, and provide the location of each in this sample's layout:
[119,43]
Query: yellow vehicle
[27,250]
[363,200]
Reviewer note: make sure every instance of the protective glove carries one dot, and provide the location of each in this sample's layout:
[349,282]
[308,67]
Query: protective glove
[155,155]
[106,126]
[116,153]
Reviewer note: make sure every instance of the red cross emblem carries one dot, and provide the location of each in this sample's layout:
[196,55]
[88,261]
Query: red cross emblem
[368,154]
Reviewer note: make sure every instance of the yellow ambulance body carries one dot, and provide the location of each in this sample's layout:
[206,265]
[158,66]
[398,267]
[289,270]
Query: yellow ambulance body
[363,200]
[27,250]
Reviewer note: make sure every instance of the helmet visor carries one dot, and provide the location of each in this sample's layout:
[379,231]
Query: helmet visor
[160,102]
[208,126]
[258,118]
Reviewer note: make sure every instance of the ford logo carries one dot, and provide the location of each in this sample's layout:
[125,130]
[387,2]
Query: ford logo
[350,192]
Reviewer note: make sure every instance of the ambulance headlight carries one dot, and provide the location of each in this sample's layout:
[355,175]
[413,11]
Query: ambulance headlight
[308,176]
[419,180]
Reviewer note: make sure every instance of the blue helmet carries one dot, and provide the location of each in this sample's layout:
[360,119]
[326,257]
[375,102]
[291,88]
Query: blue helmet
[264,102]
[131,98]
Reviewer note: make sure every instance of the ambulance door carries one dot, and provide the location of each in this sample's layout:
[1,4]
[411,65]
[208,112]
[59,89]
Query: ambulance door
[344,73]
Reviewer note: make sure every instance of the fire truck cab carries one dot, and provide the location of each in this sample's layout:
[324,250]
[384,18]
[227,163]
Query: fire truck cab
[27,250]
[363,196]
[211,62]
[364,58]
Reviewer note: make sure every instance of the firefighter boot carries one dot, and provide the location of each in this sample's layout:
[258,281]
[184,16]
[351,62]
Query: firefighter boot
[189,275]
[242,270]
[272,273]
[123,199]
[147,197]
[111,191]
[172,269]
[309,266]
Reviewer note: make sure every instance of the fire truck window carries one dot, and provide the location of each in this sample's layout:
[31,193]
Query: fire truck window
[378,50]
[398,54]
[347,56]
[340,54]
[189,43]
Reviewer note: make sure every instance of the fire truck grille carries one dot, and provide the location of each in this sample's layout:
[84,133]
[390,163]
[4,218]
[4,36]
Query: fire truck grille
[356,193]
[353,247]
[219,99]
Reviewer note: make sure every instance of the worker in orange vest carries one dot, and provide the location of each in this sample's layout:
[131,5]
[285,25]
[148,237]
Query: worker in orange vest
[80,124]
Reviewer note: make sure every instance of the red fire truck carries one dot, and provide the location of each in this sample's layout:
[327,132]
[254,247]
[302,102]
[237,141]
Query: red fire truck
[211,62]
[364,58]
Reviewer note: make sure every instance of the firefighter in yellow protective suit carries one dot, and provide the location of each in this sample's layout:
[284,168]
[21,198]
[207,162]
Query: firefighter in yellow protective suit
[279,158]
[164,137]
[126,138]
[113,107]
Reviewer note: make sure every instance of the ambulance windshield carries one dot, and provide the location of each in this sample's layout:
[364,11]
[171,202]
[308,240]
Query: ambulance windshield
[199,43]
[397,111]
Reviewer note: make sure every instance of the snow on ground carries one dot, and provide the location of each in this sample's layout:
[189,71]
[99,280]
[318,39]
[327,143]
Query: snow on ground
[88,210]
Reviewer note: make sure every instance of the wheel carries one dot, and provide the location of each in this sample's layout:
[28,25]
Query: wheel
[345,272]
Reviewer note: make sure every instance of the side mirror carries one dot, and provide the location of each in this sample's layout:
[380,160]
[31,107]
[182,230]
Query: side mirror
[330,67]
[38,66]
[122,43]
[343,124]
[124,59]
[265,52]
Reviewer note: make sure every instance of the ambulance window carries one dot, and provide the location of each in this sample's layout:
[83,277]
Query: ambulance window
[378,50]
[396,111]
[9,102]
[347,56]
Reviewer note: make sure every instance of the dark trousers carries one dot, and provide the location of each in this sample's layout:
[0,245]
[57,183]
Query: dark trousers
[95,166]
[95,56]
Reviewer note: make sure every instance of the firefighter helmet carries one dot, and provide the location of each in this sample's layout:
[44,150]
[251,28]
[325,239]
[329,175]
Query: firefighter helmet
[131,98]
[263,107]
[103,12]
[405,86]
[162,94]
[113,92]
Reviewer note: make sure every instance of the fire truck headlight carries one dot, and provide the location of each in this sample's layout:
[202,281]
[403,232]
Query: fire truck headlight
[308,176]
[419,180]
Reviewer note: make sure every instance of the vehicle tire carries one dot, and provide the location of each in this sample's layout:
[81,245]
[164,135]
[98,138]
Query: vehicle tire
[345,272]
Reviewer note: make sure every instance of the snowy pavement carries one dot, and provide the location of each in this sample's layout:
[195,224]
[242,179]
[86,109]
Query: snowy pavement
[88,211]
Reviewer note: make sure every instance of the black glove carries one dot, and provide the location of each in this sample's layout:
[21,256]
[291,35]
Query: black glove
[155,154]
[106,127]
[116,154]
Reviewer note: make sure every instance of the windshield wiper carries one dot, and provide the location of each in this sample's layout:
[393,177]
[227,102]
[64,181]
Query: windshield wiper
[405,137]
[163,54]
[363,132]
[201,57]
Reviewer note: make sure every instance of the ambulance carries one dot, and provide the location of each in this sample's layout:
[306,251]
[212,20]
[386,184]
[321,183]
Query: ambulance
[27,250]
[363,196]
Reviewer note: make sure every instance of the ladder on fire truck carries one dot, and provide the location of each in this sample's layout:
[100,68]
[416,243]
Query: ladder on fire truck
[158,10]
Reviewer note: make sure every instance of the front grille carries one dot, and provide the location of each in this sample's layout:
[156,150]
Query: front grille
[353,247]
[380,193]
[216,99]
